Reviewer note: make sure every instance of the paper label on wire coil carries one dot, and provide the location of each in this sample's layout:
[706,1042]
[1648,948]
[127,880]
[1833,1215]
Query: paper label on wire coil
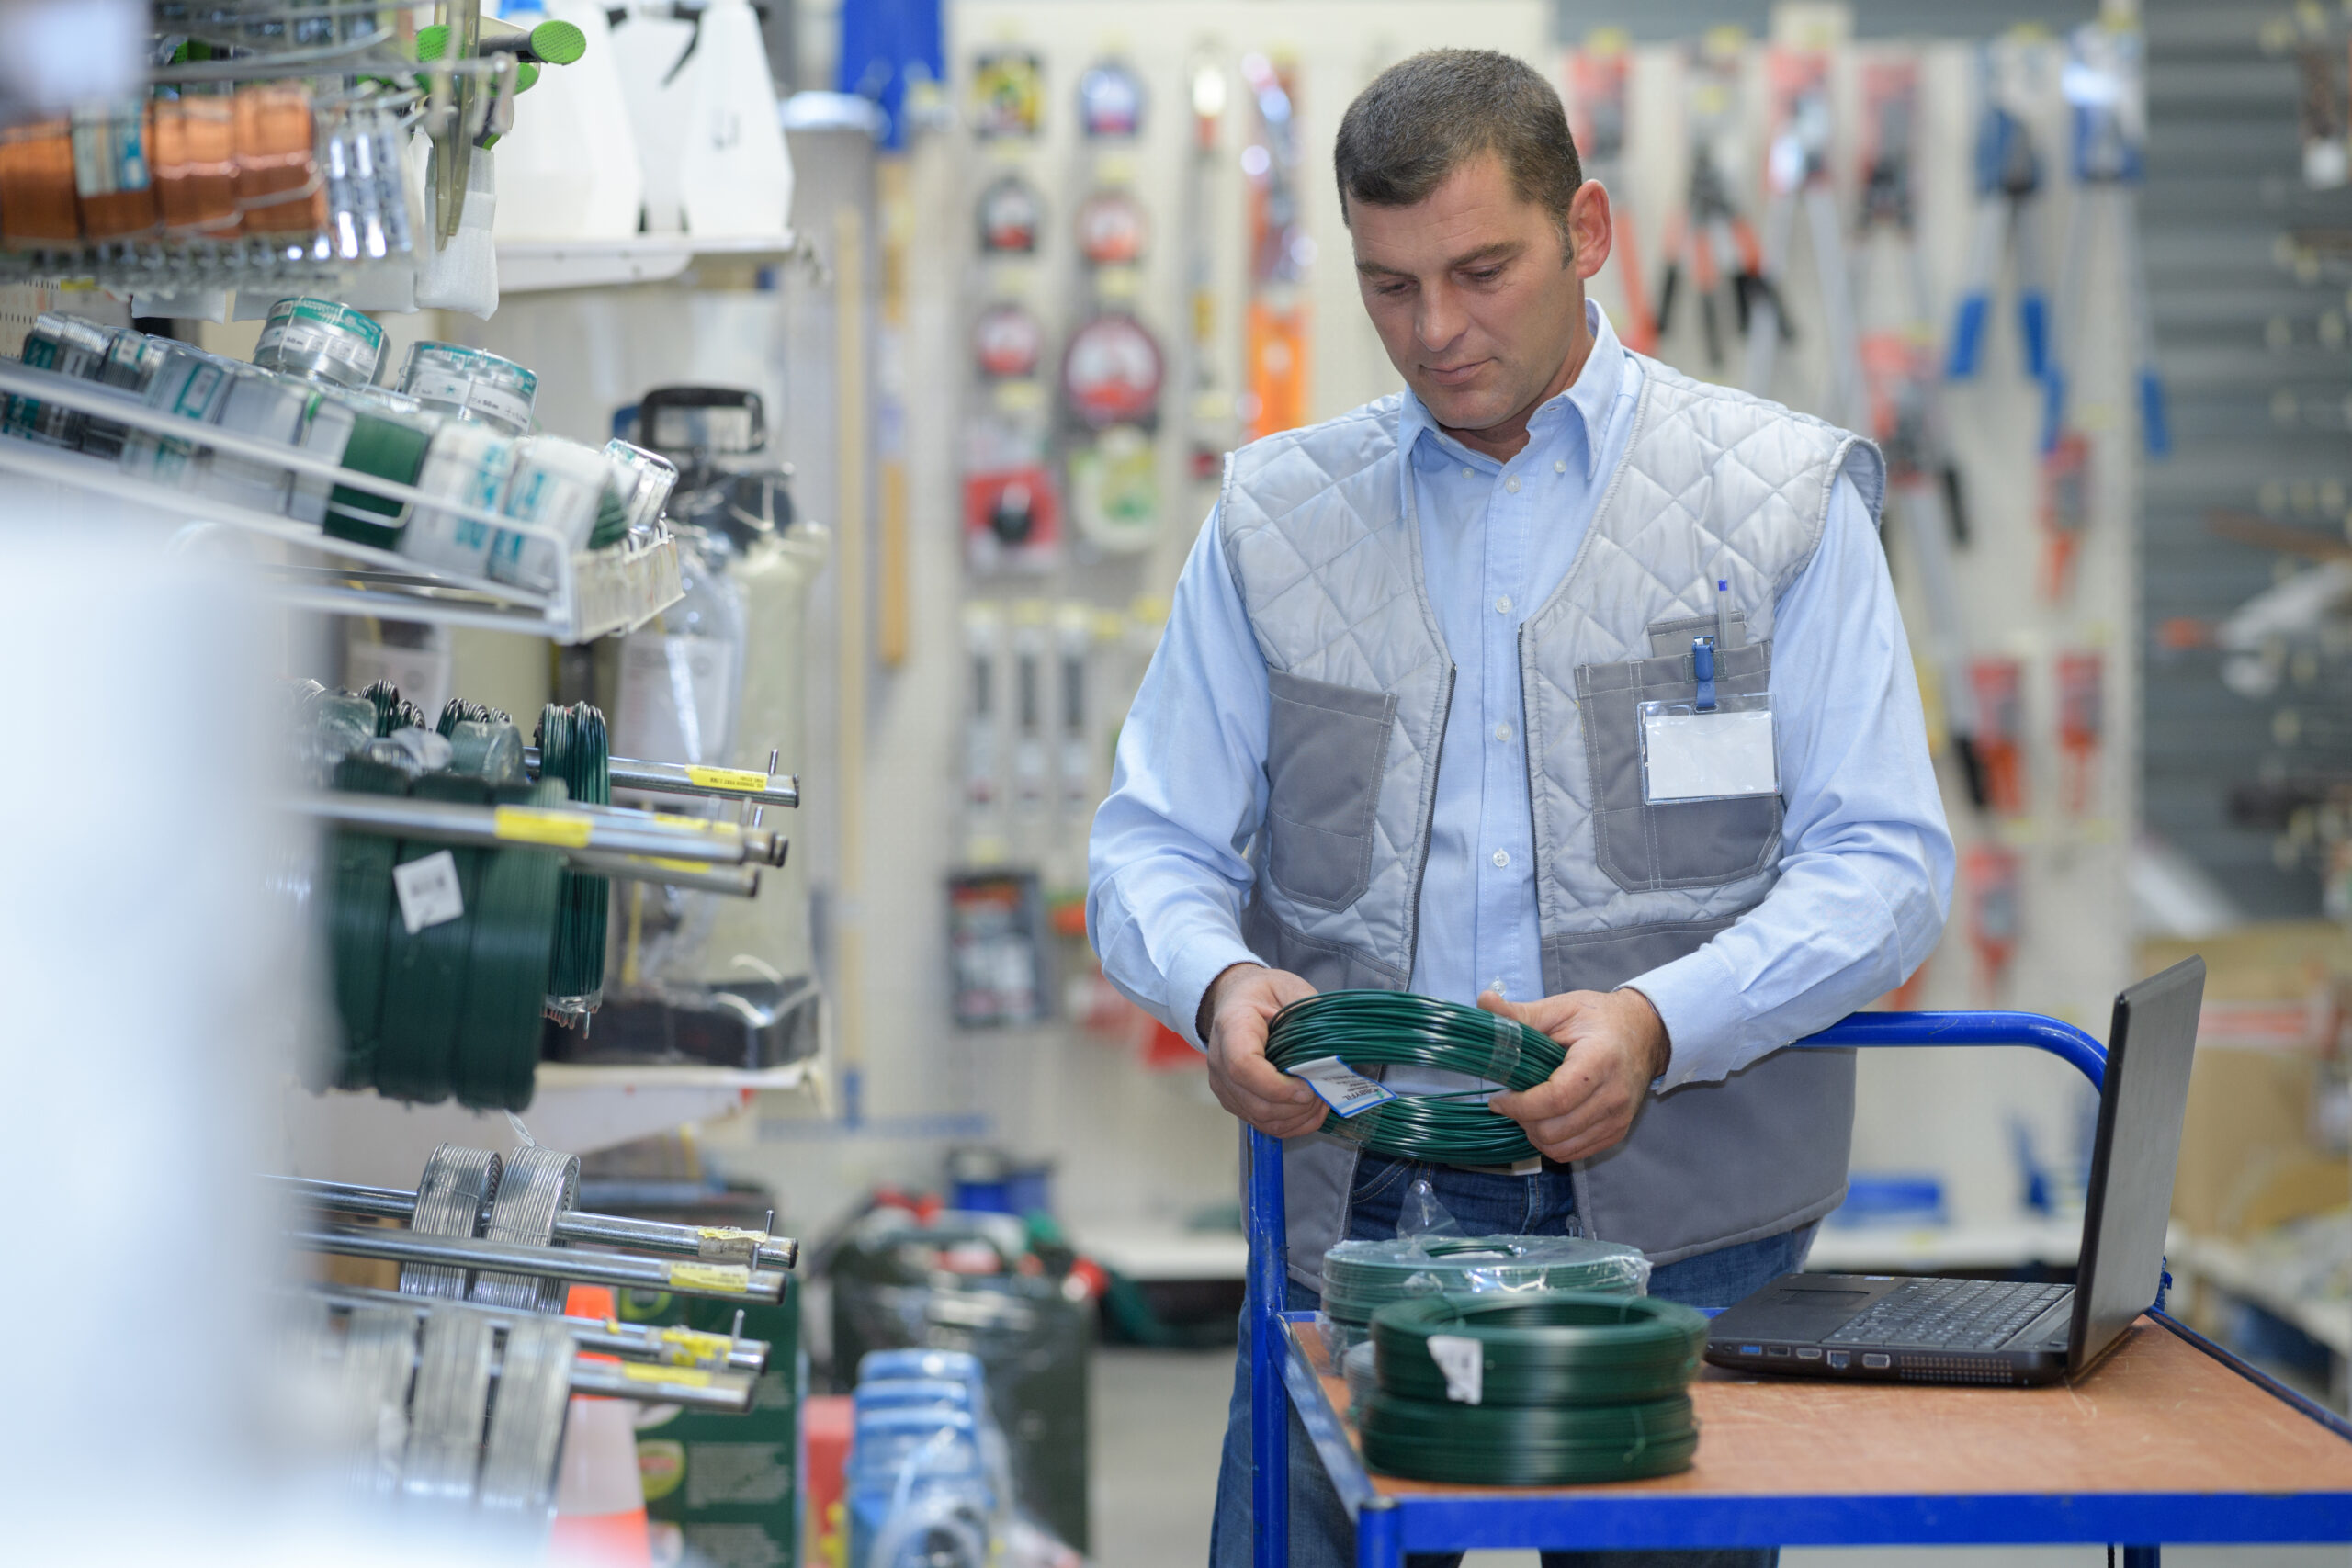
[711,1276]
[1464,1362]
[429,891]
[682,1377]
[724,778]
[1340,1087]
[540,825]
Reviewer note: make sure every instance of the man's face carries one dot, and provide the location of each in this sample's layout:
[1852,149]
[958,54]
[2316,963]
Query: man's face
[1471,295]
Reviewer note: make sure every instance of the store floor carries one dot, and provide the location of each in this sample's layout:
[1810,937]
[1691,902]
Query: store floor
[1159,1417]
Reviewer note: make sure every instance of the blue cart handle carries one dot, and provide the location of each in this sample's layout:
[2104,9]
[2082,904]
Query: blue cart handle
[1270,1250]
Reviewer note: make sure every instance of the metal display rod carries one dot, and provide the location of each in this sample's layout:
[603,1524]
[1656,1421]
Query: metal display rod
[547,826]
[682,778]
[683,1347]
[711,1244]
[740,882]
[685,1277]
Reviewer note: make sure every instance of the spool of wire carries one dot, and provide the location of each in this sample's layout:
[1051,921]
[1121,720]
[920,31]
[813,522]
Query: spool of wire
[1361,1277]
[1548,1389]
[458,1184]
[447,1413]
[1391,1028]
[513,934]
[539,1184]
[1363,1376]
[359,914]
[518,1457]
[425,969]
[573,749]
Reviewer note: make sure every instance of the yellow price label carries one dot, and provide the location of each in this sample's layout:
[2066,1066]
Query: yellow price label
[729,1233]
[539,825]
[725,778]
[696,1346]
[710,1276]
[683,1376]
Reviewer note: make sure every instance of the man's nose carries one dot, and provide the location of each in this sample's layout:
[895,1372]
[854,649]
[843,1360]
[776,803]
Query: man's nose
[1440,320]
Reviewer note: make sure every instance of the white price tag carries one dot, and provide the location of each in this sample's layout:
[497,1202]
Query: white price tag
[429,891]
[1340,1087]
[1464,1362]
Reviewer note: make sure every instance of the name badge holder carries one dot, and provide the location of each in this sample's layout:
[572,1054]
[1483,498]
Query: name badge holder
[1709,749]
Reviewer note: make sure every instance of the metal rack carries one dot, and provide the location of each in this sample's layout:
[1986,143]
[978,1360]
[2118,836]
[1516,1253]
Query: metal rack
[665,1345]
[682,1277]
[596,592]
[1390,1520]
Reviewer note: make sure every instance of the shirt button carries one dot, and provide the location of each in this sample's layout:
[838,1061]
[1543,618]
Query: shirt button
[1502,732]
[1468,473]
[1511,485]
[1560,465]
[1496,986]
[1502,605]
[1502,857]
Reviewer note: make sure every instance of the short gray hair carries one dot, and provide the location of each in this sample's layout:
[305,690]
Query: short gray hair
[1425,117]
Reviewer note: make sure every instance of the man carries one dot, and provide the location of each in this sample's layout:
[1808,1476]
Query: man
[1392,740]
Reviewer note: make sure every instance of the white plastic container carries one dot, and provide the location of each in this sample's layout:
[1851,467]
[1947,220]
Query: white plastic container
[735,177]
[469,463]
[570,169]
[556,484]
[651,44]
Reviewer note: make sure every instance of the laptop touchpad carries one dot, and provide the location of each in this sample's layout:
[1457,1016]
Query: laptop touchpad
[1790,1310]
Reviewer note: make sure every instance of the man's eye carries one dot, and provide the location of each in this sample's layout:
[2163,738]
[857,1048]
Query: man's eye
[1394,290]
[1485,274]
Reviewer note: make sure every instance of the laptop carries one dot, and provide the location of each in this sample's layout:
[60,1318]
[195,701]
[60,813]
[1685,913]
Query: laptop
[1976,1331]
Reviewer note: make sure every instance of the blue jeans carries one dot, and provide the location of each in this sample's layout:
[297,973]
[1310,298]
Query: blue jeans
[1321,1535]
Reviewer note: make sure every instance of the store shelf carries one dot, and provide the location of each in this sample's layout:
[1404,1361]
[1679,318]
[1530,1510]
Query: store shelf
[599,592]
[363,1138]
[2239,1270]
[1893,1249]
[528,267]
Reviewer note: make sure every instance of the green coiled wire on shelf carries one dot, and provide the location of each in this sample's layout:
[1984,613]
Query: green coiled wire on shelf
[573,749]
[1396,1029]
[1361,1277]
[393,711]
[483,742]
[513,948]
[1569,1387]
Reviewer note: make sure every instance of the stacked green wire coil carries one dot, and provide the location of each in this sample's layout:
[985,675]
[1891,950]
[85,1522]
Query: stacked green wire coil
[1569,1388]
[573,747]
[1361,1277]
[1369,1029]
[454,1006]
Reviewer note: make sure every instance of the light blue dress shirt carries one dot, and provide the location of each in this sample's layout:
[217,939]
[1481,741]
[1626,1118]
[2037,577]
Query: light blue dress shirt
[1866,864]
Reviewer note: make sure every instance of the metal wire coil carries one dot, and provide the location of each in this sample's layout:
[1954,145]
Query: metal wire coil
[1528,1447]
[1549,1349]
[539,1184]
[444,1453]
[457,1184]
[1361,1277]
[1393,1029]
[518,1463]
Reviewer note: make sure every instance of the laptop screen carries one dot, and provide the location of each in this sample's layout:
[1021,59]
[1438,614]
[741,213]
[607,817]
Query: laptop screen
[2149,1051]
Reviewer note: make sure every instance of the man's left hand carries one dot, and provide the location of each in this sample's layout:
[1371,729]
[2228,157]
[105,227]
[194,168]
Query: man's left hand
[1616,1045]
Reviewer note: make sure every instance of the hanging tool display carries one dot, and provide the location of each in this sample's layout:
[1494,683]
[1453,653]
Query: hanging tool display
[1009,217]
[2081,721]
[1208,408]
[1797,173]
[983,788]
[1901,373]
[1111,369]
[1281,250]
[1008,94]
[1994,876]
[1110,101]
[1710,241]
[1073,638]
[1032,767]
[1999,689]
[2105,83]
[2065,509]
[1597,78]
[2013,75]
[1012,502]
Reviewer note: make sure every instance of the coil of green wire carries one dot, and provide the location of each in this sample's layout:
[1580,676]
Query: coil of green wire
[1394,1029]
[1361,1277]
[1570,1387]
[573,749]
[512,944]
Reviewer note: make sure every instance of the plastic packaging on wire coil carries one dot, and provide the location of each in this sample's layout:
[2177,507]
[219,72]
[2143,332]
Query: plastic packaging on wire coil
[1361,1277]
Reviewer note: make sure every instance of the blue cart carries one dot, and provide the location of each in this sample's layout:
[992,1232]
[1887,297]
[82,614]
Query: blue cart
[2171,1439]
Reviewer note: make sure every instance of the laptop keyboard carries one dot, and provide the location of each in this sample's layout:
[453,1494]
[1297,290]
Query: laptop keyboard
[1954,1315]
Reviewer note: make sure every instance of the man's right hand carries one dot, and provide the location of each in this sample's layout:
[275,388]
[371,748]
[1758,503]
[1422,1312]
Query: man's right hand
[1240,1002]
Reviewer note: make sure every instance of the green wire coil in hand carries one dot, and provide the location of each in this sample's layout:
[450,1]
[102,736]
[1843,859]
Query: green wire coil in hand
[1398,1028]
[573,749]
[1571,1387]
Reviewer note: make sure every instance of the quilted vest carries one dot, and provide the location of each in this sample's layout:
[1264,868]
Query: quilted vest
[1318,527]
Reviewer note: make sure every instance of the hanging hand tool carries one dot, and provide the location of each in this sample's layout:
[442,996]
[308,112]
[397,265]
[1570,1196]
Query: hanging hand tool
[2008,190]
[2106,87]
[1709,237]
[1796,172]
[1598,114]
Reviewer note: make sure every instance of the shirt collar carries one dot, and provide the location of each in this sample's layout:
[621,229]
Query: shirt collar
[1589,400]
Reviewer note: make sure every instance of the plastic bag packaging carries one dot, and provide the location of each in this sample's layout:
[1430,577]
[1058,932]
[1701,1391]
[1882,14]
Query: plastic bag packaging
[1361,1277]
[1421,1215]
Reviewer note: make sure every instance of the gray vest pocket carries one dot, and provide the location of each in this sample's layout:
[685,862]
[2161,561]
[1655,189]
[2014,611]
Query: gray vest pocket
[1326,747]
[1684,843]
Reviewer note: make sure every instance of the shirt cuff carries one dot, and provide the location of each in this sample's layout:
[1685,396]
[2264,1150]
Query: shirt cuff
[1202,961]
[1697,998]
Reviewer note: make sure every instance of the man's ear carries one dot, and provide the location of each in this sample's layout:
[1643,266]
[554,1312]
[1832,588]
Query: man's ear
[1590,229]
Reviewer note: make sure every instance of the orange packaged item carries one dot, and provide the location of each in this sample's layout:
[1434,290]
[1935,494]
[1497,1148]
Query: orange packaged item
[36,205]
[194,154]
[278,187]
[113,172]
